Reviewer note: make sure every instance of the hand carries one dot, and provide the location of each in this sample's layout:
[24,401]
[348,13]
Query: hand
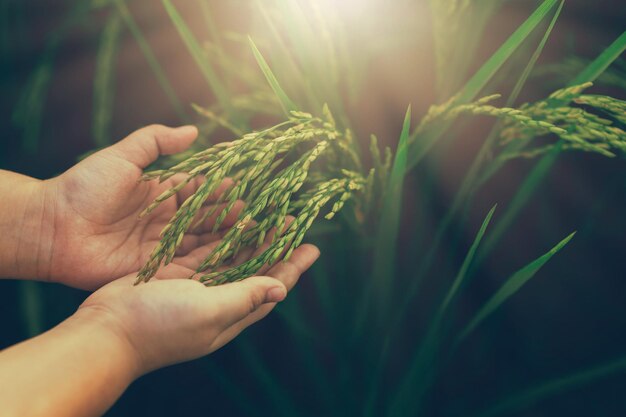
[94,208]
[81,366]
[172,320]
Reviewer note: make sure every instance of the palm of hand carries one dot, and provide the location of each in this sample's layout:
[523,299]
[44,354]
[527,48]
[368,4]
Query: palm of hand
[172,320]
[98,233]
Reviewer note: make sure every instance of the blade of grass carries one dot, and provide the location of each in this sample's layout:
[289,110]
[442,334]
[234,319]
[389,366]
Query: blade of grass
[389,228]
[196,51]
[510,287]
[530,396]
[604,60]
[284,99]
[543,167]
[416,382]
[469,258]
[153,62]
[104,81]
[383,264]
[594,70]
[291,65]
[475,85]
[468,184]
[523,194]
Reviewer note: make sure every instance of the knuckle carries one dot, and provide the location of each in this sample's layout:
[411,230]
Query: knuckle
[255,299]
[153,128]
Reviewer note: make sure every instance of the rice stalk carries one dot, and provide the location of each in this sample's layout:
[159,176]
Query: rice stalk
[255,162]
[419,148]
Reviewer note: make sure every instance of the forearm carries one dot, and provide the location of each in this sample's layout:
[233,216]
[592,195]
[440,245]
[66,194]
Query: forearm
[25,232]
[79,368]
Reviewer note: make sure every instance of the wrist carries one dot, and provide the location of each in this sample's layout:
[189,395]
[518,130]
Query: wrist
[110,334]
[26,227]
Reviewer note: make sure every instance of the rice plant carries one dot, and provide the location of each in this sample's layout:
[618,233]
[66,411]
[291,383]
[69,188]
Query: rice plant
[281,131]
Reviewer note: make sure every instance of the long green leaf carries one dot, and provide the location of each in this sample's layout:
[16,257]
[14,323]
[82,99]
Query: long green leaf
[530,396]
[410,392]
[602,62]
[104,81]
[473,87]
[523,194]
[469,182]
[543,167]
[153,62]
[511,286]
[389,228]
[383,268]
[284,99]
[196,51]
[469,258]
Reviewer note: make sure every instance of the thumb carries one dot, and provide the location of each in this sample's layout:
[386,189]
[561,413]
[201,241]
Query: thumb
[235,301]
[144,146]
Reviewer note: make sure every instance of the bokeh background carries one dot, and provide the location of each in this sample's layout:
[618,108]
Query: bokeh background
[570,317]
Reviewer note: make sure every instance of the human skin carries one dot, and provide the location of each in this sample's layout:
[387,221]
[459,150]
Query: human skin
[81,229]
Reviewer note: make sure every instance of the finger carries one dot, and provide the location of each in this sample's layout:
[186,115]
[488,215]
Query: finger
[235,329]
[144,146]
[288,273]
[233,302]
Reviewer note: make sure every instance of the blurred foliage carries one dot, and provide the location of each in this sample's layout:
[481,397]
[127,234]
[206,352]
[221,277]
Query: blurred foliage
[366,337]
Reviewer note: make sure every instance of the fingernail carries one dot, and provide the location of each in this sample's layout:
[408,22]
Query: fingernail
[275,295]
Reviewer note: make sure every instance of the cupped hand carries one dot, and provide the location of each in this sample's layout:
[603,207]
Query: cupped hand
[172,320]
[93,209]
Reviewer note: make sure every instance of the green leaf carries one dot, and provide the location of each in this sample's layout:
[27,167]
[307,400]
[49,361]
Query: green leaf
[411,390]
[530,396]
[475,85]
[511,286]
[523,194]
[543,167]
[502,55]
[153,62]
[389,228]
[602,62]
[104,80]
[284,99]
[469,258]
[196,51]
[469,182]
